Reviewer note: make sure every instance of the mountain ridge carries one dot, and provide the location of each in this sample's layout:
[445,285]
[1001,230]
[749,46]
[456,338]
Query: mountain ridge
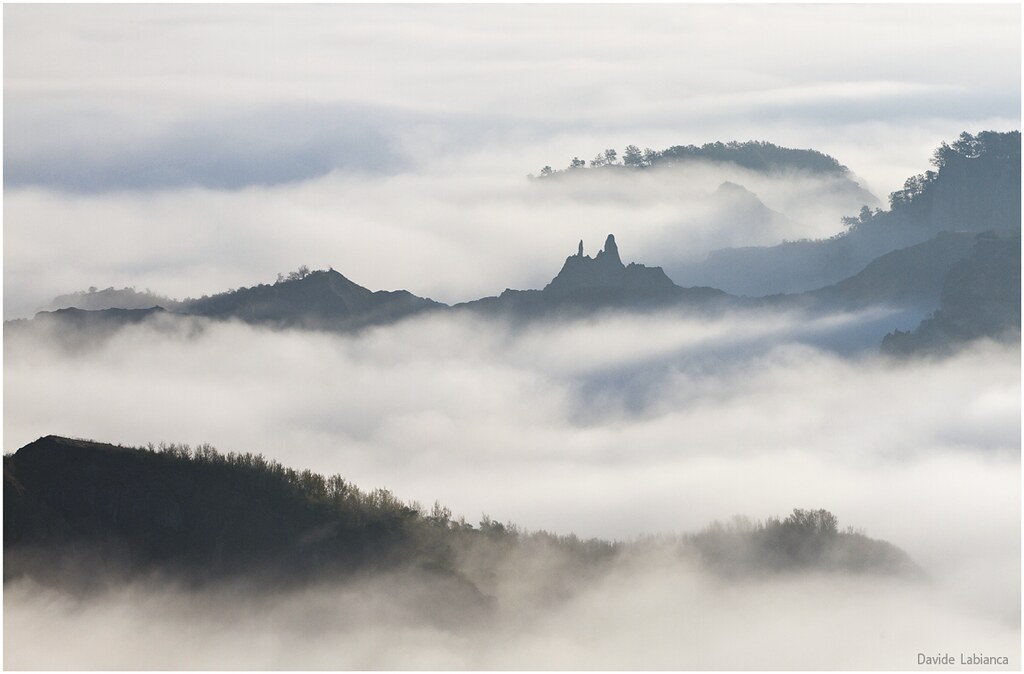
[910,278]
[586,284]
[320,299]
[901,258]
[975,187]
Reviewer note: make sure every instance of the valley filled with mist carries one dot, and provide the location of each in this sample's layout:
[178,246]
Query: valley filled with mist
[310,368]
[616,426]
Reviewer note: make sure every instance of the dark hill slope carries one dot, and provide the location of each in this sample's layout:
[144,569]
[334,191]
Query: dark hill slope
[911,276]
[103,510]
[77,329]
[321,299]
[84,319]
[205,514]
[980,299]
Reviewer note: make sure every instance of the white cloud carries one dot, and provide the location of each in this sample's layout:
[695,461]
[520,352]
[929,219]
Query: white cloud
[610,426]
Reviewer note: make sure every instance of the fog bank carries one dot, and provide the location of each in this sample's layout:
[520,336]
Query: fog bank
[647,613]
[611,426]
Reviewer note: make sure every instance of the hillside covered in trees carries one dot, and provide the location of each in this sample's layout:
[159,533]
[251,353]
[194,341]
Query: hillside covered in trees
[752,155]
[974,187]
[96,512]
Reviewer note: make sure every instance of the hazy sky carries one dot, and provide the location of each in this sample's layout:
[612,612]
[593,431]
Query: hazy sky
[194,148]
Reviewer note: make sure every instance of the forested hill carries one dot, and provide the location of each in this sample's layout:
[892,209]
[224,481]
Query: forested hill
[975,187]
[92,507]
[753,155]
[203,512]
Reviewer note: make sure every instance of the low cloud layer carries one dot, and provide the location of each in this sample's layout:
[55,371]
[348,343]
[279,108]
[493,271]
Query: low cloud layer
[614,426]
[647,614]
[607,427]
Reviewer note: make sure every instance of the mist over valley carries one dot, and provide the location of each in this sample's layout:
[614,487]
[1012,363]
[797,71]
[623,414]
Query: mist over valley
[492,337]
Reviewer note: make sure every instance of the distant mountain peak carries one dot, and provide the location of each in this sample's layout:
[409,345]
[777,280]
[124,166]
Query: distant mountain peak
[605,270]
[610,249]
[610,254]
[729,187]
[318,299]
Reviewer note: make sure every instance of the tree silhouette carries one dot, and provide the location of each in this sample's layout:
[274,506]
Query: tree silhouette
[632,156]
